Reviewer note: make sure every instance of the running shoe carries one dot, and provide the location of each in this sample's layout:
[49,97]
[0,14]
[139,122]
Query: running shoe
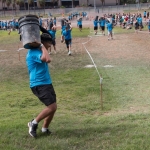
[32,129]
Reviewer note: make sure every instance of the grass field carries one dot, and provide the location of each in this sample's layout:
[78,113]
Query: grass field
[80,123]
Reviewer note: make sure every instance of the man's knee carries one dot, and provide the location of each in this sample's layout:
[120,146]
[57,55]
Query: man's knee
[52,107]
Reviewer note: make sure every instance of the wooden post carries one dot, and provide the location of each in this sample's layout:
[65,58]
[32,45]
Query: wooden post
[101,92]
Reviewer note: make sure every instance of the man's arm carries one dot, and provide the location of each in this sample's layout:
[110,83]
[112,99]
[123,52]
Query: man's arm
[70,27]
[45,56]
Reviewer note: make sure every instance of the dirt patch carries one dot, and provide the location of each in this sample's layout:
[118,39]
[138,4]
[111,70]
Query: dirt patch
[123,46]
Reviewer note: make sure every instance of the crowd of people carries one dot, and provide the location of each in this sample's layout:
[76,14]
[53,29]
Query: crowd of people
[66,28]
[125,21]
[9,24]
[137,21]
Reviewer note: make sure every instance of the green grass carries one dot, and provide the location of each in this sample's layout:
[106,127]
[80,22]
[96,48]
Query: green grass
[79,123]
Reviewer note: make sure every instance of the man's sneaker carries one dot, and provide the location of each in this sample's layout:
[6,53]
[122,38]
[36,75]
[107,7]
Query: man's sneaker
[47,132]
[32,129]
[69,53]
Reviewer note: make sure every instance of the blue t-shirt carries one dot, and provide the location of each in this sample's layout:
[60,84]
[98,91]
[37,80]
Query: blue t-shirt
[13,23]
[16,24]
[144,13]
[37,69]
[95,23]
[54,21]
[149,25]
[5,24]
[109,26]
[102,22]
[79,22]
[139,20]
[53,33]
[2,24]
[40,22]
[67,34]
[63,28]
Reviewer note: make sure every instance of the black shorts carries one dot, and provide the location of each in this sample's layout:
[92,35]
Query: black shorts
[144,16]
[103,28]
[53,42]
[80,26]
[140,24]
[95,28]
[68,42]
[45,93]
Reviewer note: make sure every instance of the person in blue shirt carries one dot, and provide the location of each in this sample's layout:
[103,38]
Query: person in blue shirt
[149,25]
[136,26]
[139,19]
[54,21]
[95,23]
[13,25]
[110,28]
[68,37]
[79,23]
[16,25]
[102,25]
[37,60]
[63,27]
[2,24]
[5,25]
[52,32]
[145,14]
[50,23]
[40,21]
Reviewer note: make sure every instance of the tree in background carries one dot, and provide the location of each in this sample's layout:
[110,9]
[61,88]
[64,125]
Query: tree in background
[103,2]
[29,3]
[20,3]
[117,2]
[3,5]
[87,2]
[54,1]
[8,2]
[42,4]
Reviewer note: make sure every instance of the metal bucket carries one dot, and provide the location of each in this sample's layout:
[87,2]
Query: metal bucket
[30,31]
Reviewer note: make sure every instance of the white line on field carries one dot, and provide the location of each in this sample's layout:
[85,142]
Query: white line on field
[92,58]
